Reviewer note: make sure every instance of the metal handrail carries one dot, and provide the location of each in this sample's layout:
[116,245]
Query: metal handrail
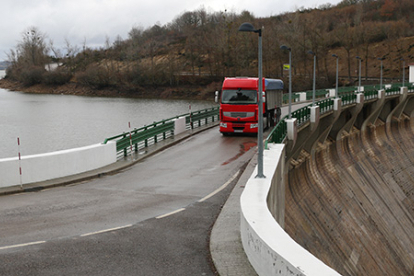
[151,134]
[348,96]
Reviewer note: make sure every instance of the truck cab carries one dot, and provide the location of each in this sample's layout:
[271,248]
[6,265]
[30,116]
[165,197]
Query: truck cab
[239,104]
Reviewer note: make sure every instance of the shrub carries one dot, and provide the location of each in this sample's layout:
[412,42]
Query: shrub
[95,77]
[57,77]
[31,75]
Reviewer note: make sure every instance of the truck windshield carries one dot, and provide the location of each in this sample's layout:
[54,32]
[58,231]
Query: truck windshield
[239,96]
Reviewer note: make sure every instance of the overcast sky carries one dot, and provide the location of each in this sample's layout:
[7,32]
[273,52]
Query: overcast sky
[94,20]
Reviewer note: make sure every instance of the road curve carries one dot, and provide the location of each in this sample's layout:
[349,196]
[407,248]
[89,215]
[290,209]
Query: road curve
[151,219]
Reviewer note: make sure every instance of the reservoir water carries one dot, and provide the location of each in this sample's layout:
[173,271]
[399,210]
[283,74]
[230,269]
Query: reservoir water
[46,123]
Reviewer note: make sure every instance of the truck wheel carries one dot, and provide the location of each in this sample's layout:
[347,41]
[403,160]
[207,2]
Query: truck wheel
[278,114]
[268,120]
[273,119]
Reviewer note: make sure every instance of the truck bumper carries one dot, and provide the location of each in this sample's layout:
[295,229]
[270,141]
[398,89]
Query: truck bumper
[229,127]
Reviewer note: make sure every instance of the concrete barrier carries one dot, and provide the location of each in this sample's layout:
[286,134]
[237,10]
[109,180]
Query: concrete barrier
[270,250]
[42,167]
[179,125]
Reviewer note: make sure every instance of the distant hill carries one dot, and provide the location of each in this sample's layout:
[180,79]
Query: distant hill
[4,65]
[199,48]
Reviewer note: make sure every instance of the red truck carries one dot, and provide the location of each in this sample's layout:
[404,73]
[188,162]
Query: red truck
[239,104]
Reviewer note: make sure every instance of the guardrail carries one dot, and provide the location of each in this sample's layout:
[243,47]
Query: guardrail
[302,115]
[371,94]
[143,137]
[321,93]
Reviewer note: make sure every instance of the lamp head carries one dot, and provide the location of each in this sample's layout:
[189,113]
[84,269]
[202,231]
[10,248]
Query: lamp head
[248,27]
[284,47]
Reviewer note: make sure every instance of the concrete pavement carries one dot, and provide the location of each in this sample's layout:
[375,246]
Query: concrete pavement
[225,243]
[107,170]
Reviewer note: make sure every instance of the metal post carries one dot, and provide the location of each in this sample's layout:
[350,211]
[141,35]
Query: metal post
[248,27]
[359,83]
[359,74]
[381,76]
[337,78]
[381,73]
[290,83]
[260,134]
[283,47]
[314,79]
[403,80]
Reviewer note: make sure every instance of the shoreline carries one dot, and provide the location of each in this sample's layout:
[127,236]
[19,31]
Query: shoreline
[181,92]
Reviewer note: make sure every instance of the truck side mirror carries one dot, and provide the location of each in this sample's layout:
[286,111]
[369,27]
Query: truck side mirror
[216,97]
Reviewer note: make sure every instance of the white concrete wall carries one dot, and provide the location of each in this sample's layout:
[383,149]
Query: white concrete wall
[411,76]
[56,164]
[179,125]
[270,250]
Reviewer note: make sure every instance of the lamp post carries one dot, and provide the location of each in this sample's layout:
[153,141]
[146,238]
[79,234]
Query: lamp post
[359,72]
[337,66]
[381,59]
[403,78]
[284,47]
[314,76]
[248,27]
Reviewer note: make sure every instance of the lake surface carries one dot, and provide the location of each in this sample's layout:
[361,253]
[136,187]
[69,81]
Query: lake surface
[46,123]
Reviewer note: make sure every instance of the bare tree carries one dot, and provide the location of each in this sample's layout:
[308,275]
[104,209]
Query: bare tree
[32,49]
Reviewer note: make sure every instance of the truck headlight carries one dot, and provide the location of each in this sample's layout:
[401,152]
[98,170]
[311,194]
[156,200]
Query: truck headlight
[224,125]
[254,125]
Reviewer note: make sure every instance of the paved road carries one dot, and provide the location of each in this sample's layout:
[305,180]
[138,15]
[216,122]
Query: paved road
[152,219]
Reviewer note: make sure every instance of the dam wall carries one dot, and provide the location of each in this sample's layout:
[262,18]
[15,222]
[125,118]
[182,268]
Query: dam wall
[351,203]
[346,194]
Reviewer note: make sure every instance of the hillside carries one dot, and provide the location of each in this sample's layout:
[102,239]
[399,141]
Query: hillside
[198,49]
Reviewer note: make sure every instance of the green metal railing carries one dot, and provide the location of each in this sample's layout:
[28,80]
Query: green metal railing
[295,97]
[302,115]
[371,94]
[321,93]
[151,134]
[278,133]
[348,96]
[392,91]
[325,105]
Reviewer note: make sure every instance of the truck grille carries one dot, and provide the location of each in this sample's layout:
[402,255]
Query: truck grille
[238,114]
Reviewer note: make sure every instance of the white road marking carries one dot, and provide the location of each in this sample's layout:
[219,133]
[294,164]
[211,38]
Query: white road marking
[106,230]
[171,213]
[221,188]
[21,245]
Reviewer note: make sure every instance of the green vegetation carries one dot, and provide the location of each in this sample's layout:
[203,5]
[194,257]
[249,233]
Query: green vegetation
[198,48]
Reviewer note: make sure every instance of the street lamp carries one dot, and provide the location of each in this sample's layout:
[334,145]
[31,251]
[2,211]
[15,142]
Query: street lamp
[403,80]
[337,66]
[359,71]
[314,76]
[248,27]
[284,47]
[381,59]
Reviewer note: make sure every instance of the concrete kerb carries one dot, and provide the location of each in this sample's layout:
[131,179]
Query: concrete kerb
[107,170]
[226,247]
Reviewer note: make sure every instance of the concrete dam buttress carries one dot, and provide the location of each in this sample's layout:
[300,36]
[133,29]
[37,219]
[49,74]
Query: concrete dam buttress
[351,202]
